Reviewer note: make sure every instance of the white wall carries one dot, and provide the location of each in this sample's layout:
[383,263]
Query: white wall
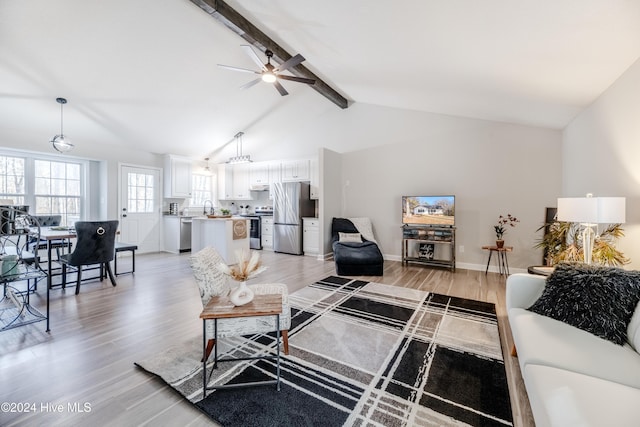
[601,154]
[330,203]
[492,169]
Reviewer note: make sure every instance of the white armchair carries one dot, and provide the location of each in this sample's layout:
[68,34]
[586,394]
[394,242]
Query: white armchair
[212,282]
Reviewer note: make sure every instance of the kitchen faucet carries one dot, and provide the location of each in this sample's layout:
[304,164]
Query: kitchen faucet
[204,207]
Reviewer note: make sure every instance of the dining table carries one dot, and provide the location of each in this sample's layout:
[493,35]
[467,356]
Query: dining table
[53,235]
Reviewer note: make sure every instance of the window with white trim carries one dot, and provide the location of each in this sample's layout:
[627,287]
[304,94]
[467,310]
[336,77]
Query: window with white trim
[201,189]
[12,179]
[58,190]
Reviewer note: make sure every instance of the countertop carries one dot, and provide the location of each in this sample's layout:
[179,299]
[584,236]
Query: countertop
[166,214]
[203,217]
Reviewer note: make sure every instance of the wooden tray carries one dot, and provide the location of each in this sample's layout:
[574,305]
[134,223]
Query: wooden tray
[218,216]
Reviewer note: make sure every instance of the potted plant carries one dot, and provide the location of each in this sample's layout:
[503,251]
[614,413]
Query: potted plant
[563,243]
[504,221]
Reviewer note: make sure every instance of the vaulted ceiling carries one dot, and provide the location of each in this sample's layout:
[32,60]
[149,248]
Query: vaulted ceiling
[144,73]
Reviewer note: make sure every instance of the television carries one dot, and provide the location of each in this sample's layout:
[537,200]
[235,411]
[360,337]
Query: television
[437,211]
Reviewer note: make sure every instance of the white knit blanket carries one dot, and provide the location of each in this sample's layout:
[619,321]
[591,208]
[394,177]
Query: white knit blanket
[364,227]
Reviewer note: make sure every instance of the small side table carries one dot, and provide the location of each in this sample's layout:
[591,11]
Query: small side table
[503,263]
[222,308]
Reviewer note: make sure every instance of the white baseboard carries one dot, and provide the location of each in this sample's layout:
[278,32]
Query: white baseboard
[462,265]
[466,266]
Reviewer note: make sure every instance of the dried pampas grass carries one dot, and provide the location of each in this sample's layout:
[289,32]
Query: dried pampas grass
[248,266]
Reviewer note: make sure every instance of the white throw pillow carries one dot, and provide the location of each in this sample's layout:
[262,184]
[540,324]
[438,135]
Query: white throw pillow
[350,237]
[633,331]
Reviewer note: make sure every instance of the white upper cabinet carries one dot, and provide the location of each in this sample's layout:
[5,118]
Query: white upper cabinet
[233,182]
[225,182]
[259,174]
[241,182]
[295,170]
[177,177]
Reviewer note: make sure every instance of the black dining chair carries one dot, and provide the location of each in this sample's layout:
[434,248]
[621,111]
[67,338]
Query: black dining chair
[95,244]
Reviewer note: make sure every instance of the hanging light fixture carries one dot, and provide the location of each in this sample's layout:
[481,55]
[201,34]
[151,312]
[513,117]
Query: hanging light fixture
[239,158]
[60,142]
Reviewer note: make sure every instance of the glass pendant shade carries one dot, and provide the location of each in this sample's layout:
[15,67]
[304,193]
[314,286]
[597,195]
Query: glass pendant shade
[60,142]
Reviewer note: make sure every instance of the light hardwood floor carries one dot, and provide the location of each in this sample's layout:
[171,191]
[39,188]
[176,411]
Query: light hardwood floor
[97,336]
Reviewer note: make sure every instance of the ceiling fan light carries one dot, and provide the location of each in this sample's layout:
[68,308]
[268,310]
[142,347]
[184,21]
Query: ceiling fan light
[62,144]
[268,77]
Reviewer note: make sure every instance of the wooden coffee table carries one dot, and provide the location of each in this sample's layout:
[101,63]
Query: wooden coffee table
[222,308]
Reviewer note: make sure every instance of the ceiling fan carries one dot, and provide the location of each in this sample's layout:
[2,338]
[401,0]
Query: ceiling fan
[270,73]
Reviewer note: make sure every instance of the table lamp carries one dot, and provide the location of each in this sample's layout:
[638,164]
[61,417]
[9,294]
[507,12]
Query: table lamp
[590,211]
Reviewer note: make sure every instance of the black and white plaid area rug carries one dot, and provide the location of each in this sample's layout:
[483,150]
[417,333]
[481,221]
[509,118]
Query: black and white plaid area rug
[361,353]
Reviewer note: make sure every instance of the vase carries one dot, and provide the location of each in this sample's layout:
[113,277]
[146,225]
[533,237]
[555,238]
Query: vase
[241,295]
[500,243]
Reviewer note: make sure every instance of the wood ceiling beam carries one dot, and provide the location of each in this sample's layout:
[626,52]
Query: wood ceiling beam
[245,29]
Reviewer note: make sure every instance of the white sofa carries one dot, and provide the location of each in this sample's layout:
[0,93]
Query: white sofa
[573,378]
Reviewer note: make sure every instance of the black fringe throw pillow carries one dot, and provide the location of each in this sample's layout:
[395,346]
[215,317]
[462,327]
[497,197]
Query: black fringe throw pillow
[599,300]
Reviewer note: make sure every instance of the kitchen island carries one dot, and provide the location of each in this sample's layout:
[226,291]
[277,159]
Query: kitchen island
[226,235]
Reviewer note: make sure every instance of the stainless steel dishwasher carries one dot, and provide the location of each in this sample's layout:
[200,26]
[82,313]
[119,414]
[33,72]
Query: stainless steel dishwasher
[185,234]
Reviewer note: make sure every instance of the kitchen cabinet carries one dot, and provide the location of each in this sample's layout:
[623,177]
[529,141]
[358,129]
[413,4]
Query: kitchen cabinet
[259,174]
[310,236]
[241,182]
[225,182]
[267,233]
[295,170]
[233,182]
[314,179]
[177,177]
[224,235]
[275,172]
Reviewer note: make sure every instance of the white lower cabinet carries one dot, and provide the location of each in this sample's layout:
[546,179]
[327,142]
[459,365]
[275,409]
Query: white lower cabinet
[266,235]
[310,236]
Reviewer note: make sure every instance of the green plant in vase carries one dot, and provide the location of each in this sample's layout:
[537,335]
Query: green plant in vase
[504,221]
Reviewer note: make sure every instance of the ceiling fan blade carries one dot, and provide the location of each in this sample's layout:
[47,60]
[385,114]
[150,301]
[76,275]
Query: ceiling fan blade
[244,70]
[290,63]
[252,54]
[251,83]
[297,79]
[280,88]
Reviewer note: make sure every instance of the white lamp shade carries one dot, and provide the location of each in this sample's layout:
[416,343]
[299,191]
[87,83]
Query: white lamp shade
[611,210]
[578,209]
[592,210]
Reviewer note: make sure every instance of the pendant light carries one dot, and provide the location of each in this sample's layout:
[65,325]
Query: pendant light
[239,158]
[60,142]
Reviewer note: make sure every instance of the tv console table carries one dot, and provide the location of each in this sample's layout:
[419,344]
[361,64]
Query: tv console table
[429,245]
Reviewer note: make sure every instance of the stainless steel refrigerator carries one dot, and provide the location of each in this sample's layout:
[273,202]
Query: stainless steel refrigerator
[291,202]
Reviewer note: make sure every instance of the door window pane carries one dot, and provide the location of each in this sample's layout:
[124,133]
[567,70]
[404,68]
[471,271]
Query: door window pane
[140,190]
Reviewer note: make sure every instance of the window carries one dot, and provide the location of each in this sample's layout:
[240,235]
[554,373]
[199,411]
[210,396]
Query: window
[201,189]
[12,176]
[140,192]
[58,190]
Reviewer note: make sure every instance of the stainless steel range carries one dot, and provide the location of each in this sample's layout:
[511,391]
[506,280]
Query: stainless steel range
[255,232]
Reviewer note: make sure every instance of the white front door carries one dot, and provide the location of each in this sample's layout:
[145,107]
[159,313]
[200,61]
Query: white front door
[140,207]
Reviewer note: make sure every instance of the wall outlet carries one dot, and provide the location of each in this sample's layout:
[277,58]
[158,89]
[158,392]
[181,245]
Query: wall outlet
[461,249]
